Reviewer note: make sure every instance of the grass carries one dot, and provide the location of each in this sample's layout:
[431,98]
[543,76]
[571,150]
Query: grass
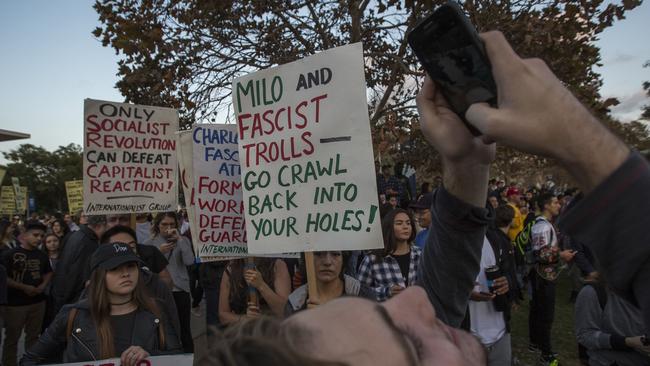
[563,338]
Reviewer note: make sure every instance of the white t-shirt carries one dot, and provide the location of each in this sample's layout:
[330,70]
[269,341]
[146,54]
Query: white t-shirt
[486,323]
[543,234]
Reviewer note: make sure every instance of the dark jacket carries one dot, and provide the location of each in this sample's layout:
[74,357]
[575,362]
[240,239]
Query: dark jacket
[505,259]
[505,253]
[69,277]
[612,220]
[161,292]
[451,257]
[82,344]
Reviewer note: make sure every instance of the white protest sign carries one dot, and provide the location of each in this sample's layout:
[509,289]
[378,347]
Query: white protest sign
[176,360]
[221,229]
[306,156]
[184,139]
[129,158]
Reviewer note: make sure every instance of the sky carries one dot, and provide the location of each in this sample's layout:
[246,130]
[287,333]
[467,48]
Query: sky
[50,62]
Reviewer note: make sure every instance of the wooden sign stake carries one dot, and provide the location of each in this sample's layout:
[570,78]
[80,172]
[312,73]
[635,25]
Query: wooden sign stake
[312,286]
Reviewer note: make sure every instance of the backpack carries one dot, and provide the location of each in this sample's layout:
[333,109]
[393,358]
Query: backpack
[523,244]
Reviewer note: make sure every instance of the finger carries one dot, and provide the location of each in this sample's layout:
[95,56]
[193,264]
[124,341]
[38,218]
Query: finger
[124,356]
[486,119]
[428,90]
[502,57]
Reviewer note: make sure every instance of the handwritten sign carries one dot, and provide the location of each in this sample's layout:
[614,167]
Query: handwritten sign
[8,200]
[176,360]
[130,163]
[221,228]
[75,191]
[305,149]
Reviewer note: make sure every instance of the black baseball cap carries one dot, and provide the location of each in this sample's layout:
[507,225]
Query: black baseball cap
[113,255]
[424,202]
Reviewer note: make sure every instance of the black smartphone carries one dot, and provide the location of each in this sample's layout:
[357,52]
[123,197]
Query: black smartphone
[450,50]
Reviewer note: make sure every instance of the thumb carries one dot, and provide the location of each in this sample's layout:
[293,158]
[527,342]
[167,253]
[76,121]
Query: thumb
[486,119]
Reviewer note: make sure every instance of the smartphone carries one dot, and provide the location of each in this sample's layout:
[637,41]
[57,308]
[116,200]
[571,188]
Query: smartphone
[451,52]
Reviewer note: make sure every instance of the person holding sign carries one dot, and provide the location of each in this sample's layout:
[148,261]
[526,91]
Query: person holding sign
[177,250]
[395,268]
[269,277]
[331,282]
[118,319]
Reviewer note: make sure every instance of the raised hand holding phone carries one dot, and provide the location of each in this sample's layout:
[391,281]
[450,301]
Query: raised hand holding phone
[452,53]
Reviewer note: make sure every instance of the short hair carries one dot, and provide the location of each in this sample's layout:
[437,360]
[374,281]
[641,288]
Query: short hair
[261,341]
[95,220]
[544,199]
[119,229]
[35,225]
[503,215]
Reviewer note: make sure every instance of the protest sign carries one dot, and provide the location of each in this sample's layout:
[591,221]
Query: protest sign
[186,166]
[129,159]
[75,191]
[8,200]
[2,174]
[15,182]
[305,149]
[176,360]
[221,229]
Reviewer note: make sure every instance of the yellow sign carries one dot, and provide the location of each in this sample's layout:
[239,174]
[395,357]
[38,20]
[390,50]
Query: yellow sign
[8,200]
[75,192]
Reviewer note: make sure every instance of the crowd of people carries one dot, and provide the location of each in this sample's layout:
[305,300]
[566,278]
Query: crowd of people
[460,254]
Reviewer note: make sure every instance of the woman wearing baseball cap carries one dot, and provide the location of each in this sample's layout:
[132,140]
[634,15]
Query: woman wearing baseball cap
[116,320]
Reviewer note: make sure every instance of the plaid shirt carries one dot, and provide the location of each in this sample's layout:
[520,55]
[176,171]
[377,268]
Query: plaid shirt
[392,182]
[381,275]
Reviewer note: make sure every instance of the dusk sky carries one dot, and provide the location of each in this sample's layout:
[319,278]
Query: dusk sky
[50,63]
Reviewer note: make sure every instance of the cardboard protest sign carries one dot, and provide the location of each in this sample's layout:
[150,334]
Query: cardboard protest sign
[74,189]
[129,158]
[8,200]
[306,156]
[176,360]
[221,229]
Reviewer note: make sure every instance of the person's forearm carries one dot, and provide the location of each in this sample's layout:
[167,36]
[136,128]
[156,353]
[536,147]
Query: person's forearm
[467,181]
[229,317]
[46,280]
[594,154]
[275,301]
[452,254]
[17,285]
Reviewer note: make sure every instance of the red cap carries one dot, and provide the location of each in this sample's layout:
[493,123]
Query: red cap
[512,191]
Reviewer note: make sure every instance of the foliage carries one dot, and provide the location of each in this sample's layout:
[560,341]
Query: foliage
[646,86]
[45,173]
[185,53]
